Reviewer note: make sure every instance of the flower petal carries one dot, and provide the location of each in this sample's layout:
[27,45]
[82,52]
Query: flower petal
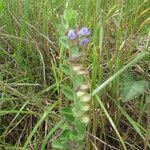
[71,34]
[83,41]
[84,31]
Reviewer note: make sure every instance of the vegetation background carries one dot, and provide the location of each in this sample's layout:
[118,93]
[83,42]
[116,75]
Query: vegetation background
[117,58]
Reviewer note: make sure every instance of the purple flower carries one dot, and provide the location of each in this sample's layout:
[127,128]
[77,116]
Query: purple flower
[83,41]
[84,31]
[71,34]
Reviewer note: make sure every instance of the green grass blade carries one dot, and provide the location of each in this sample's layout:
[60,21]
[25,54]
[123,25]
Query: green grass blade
[135,60]
[111,122]
[50,134]
[135,125]
[43,116]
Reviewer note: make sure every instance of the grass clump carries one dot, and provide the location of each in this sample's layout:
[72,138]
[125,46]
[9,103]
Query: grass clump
[43,74]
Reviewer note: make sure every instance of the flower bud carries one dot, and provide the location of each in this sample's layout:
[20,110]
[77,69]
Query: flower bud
[77,67]
[85,108]
[85,119]
[84,87]
[80,93]
[85,98]
[81,72]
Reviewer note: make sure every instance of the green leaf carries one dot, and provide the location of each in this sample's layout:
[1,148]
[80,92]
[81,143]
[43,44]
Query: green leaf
[58,144]
[73,51]
[68,92]
[68,114]
[147,58]
[66,69]
[70,18]
[78,80]
[81,128]
[132,88]
[147,98]
[50,133]
[118,73]
[71,136]
[64,42]
[2,4]
[65,134]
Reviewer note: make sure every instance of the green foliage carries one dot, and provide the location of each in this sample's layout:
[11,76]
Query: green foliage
[2,4]
[38,108]
[64,42]
[69,139]
[66,69]
[67,113]
[72,137]
[131,88]
[68,92]
[73,51]
[147,58]
[78,80]
[69,19]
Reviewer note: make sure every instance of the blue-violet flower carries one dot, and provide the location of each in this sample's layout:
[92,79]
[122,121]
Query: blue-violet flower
[71,34]
[84,31]
[83,41]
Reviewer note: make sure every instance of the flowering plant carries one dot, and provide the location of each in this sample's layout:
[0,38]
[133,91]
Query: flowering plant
[82,33]
[76,115]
